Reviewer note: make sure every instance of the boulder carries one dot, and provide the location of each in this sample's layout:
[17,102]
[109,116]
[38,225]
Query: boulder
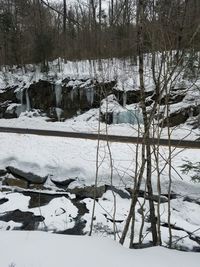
[9,94]
[3,172]
[14,182]
[28,219]
[143,194]
[3,200]
[180,116]
[28,176]
[88,191]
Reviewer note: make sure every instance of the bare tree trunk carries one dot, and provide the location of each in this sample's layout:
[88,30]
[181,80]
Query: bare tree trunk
[140,39]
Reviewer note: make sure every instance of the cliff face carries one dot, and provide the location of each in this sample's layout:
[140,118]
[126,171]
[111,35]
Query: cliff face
[76,87]
[58,101]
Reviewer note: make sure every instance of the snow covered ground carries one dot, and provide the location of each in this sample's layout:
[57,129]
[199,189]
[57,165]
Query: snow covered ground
[37,249]
[67,157]
[88,122]
[64,158]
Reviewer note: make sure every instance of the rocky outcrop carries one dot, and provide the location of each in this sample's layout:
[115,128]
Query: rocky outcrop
[180,116]
[63,99]
[9,94]
[42,96]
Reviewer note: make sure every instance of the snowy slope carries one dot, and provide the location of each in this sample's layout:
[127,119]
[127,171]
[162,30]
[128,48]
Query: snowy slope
[36,249]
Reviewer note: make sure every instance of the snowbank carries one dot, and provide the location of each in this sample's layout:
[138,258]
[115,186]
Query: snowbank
[38,249]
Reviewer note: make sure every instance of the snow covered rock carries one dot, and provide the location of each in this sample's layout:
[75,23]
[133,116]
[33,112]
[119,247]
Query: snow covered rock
[88,191]
[28,176]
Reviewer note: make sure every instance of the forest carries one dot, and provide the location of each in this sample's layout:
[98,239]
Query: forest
[33,31]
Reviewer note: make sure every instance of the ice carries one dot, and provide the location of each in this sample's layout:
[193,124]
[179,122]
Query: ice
[58,93]
[59,112]
[128,116]
[124,99]
[90,95]
[28,104]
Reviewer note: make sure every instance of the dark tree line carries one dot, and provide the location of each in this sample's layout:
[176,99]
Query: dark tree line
[33,31]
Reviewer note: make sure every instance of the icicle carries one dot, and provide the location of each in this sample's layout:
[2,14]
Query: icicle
[90,95]
[22,107]
[58,113]
[58,93]
[124,98]
[28,104]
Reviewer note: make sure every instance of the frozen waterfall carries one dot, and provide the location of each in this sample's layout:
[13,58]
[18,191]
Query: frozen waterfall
[28,104]
[58,94]
[128,116]
[23,96]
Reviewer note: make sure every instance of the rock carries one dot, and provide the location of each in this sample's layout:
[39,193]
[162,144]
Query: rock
[88,191]
[28,176]
[143,245]
[175,119]
[28,219]
[9,94]
[143,194]
[12,111]
[2,172]
[191,200]
[180,116]
[42,96]
[15,182]
[64,183]
[3,200]
[120,192]
[41,199]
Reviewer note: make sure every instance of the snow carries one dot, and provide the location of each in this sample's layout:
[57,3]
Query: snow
[62,158]
[37,249]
